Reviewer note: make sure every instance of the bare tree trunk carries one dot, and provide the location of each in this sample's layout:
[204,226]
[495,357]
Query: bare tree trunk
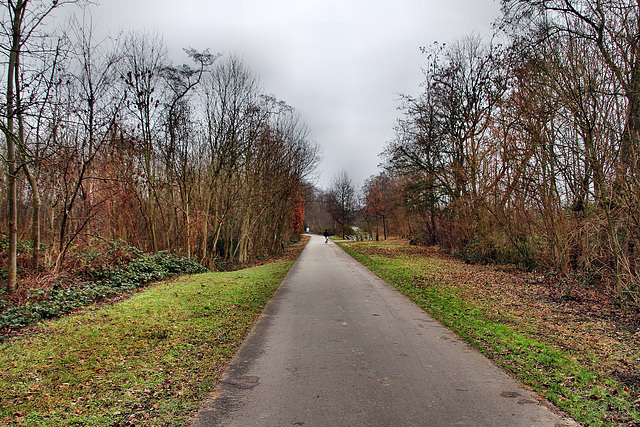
[384,226]
[12,196]
[187,219]
[37,201]
[205,229]
[35,218]
[35,225]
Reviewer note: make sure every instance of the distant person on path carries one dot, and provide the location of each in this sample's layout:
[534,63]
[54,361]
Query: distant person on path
[326,236]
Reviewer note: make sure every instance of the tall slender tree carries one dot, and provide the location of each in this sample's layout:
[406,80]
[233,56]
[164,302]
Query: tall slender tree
[145,56]
[342,200]
[20,24]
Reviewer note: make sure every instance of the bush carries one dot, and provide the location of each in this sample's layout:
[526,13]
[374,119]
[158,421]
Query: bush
[519,252]
[416,241]
[220,264]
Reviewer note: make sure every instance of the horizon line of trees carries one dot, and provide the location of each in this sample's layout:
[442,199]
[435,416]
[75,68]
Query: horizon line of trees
[376,210]
[112,141]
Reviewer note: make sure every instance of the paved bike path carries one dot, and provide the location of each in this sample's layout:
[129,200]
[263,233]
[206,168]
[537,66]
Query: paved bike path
[337,346]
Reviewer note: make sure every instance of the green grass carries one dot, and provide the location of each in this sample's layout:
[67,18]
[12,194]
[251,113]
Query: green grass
[558,376]
[149,360]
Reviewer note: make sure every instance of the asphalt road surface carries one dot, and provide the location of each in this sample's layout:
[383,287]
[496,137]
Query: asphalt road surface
[337,346]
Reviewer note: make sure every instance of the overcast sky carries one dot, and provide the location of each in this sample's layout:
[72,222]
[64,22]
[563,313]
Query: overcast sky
[340,63]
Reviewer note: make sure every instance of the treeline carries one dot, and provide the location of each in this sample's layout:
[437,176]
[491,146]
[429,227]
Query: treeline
[382,208]
[527,151]
[112,141]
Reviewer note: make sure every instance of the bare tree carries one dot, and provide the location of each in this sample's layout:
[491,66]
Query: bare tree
[96,107]
[379,200]
[230,96]
[442,139]
[418,153]
[612,27]
[181,81]
[342,200]
[20,23]
[143,62]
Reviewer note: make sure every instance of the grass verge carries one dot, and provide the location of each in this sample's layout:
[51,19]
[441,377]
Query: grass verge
[516,335]
[149,360]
